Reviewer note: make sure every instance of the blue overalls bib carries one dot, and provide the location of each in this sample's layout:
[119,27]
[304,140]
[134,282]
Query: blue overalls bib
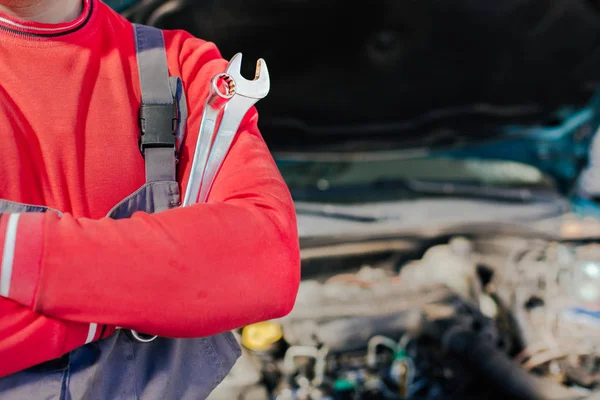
[121,367]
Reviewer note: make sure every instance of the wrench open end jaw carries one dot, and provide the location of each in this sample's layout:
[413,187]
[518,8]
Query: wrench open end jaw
[258,87]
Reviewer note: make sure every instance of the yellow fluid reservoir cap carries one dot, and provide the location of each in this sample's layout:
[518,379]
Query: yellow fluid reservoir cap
[260,337]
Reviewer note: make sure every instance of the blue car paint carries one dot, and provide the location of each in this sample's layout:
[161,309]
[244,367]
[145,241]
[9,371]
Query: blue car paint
[560,150]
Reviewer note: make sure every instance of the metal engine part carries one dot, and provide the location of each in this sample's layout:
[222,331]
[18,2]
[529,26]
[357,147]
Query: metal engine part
[492,317]
[552,291]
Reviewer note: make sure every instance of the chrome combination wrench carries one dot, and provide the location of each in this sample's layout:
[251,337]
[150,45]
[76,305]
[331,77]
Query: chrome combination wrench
[247,93]
[214,104]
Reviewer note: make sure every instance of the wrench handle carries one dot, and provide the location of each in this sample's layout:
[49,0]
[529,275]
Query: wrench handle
[235,111]
[201,153]
[216,101]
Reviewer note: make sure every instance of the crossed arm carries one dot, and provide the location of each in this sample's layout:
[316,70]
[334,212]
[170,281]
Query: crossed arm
[185,272]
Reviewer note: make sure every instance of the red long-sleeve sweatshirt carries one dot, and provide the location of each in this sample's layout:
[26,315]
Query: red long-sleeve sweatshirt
[69,100]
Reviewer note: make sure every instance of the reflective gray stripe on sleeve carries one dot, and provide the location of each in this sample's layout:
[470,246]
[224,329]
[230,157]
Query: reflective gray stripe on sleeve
[8,255]
[91,333]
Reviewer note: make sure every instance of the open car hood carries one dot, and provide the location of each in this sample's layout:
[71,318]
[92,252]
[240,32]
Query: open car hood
[345,75]
[504,79]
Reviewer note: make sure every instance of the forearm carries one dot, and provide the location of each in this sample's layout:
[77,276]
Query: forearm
[28,338]
[185,272]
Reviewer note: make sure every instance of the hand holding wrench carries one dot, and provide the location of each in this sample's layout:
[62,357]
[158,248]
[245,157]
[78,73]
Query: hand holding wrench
[215,102]
[247,93]
[239,96]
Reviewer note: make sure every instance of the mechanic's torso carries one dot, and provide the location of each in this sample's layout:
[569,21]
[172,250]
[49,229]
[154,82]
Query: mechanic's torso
[68,117]
[70,143]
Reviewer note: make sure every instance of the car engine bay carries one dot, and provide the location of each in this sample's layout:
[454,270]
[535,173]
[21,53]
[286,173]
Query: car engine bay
[361,102]
[466,317]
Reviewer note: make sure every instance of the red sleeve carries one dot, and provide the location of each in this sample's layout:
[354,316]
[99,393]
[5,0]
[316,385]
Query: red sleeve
[28,338]
[185,272]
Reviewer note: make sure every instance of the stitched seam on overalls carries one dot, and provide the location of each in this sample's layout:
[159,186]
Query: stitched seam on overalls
[231,339]
[135,380]
[64,384]
[174,198]
[220,374]
[96,375]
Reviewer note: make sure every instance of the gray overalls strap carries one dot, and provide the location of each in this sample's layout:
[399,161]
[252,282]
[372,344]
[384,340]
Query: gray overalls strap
[119,367]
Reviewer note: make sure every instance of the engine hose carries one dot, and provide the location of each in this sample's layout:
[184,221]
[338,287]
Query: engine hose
[499,369]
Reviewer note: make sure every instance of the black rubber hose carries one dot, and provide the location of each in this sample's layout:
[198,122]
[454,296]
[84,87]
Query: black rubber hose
[499,369]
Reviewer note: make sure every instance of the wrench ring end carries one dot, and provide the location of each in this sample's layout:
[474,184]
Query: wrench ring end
[229,86]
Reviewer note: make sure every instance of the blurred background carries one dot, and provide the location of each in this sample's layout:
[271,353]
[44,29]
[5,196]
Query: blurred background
[444,161]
